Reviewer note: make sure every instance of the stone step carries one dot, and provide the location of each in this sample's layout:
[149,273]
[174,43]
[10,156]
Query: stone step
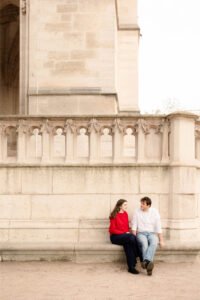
[91,253]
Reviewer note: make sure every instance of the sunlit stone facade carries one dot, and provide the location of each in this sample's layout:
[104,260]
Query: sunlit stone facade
[72,141]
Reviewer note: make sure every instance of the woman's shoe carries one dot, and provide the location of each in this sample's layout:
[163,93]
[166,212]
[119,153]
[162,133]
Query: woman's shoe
[133,271]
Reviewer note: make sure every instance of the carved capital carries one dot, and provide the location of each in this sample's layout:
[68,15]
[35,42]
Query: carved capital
[93,126]
[117,126]
[46,127]
[69,126]
[142,125]
[8,129]
[22,127]
[2,128]
[164,125]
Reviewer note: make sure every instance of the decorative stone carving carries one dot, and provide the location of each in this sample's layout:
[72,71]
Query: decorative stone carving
[22,127]
[94,126]
[2,128]
[8,128]
[143,125]
[24,6]
[46,127]
[69,126]
[117,125]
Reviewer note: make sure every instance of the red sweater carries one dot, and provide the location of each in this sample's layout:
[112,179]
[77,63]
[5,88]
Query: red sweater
[119,224]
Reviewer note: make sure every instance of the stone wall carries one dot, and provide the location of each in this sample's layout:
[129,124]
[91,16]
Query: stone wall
[81,54]
[68,199]
[72,204]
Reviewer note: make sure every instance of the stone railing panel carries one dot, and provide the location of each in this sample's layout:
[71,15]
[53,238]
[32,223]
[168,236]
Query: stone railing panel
[125,139]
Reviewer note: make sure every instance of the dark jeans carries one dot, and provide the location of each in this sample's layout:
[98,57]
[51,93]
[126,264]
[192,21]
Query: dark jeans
[129,242]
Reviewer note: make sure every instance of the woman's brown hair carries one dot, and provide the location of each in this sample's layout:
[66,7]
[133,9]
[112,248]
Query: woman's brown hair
[117,207]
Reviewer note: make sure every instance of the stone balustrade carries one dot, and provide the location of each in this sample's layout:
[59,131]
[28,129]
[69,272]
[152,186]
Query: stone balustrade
[99,139]
[197,137]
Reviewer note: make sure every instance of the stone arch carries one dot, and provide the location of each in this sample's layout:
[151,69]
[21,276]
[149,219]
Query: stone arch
[9,57]
[4,3]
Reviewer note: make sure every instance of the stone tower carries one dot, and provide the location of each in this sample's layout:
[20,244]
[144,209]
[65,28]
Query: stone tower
[76,56]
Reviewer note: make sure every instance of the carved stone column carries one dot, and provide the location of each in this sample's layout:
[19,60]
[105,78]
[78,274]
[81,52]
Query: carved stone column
[142,129]
[21,141]
[165,129]
[46,132]
[69,131]
[2,142]
[117,130]
[93,130]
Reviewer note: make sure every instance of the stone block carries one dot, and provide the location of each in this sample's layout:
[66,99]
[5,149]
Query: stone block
[183,180]
[154,180]
[198,204]
[127,13]
[72,104]
[36,181]
[93,180]
[4,234]
[71,206]
[184,235]
[43,235]
[58,27]
[88,21]
[82,54]
[198,181]
[10,179]
[93,235]
[164,206]
[67,8]
[183,206]
[15,207]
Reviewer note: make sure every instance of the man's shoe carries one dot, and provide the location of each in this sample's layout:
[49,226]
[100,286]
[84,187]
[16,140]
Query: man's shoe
[133,271]
[144,264]
[150,267]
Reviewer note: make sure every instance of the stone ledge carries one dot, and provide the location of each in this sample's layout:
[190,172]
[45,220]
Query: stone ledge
[91,253]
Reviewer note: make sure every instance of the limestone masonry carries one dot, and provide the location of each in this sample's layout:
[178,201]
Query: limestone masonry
[72,140]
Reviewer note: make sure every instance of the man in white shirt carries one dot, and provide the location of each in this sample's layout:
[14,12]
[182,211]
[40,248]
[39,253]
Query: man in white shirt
[146,226]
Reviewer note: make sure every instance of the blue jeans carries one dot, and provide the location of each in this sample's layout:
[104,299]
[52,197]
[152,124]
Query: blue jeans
[147,242]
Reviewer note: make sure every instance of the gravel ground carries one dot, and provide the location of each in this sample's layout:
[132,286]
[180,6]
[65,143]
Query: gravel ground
[66,281]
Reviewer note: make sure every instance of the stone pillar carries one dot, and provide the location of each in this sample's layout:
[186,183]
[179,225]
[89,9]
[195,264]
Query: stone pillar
[93,130]
[46,130]
[182,194]
[69,140]
[21,141]
[165,141]
[1,141]
[142,129]
[117,130]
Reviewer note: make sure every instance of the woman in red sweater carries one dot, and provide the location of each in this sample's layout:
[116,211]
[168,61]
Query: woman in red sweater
[120,234]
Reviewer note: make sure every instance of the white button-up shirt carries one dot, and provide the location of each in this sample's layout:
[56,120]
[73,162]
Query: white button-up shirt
[148,221]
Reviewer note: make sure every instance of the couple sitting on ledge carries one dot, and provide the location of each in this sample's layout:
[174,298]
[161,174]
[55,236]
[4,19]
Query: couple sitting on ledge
[142,240]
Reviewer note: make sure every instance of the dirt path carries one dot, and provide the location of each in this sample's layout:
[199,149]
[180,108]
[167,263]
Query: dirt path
[66,281]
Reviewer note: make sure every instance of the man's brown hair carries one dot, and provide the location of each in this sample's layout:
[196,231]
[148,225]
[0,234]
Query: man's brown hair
[146,200]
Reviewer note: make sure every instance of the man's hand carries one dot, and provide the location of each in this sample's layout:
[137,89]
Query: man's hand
[161,243]
[134,232]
